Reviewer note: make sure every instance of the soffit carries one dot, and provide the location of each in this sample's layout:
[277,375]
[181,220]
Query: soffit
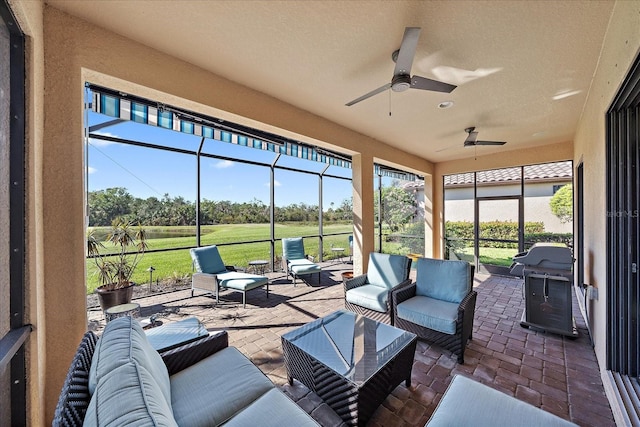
[523,69]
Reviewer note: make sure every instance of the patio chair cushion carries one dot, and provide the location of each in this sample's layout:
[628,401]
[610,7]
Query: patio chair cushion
[430,313]
[241,281]
[124,341]
[129,395]
[386,270]
[373,297]
[271,409]
[293,248]
[231,383]
[303,266]
[470,403]
[443,279]
[207,260]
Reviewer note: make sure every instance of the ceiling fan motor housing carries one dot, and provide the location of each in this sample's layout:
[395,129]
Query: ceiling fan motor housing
[401,82]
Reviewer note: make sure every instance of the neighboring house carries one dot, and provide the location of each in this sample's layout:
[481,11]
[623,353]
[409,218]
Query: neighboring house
[540,184]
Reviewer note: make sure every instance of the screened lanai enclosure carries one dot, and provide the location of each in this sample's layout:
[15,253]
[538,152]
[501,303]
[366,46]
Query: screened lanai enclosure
[492,215]
[193,180]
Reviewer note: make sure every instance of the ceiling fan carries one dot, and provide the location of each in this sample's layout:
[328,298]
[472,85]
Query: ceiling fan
[402,79]
[472,139]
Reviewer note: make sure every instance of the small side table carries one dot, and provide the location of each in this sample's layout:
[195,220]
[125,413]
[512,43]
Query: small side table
[259,266]
[338,253]
[122,310]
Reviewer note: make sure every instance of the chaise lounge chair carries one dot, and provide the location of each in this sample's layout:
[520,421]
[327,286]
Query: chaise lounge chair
[212,275]
[295,261]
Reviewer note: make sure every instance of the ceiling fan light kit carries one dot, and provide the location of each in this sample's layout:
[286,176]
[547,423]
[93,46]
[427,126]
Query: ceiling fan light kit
[402,79]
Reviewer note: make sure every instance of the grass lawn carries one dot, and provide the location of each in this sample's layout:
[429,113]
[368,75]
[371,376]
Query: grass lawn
[492,256]
[177,263]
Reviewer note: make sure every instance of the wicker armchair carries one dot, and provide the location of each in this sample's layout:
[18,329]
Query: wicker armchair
[439,307]
[370,294]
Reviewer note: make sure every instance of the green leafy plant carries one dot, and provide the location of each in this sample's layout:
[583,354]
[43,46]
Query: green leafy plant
[562,203]
[116,268]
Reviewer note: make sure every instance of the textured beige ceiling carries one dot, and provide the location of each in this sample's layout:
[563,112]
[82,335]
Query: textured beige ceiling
[523,68]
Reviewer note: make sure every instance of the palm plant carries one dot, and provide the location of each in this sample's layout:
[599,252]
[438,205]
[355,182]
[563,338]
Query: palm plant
[115,269]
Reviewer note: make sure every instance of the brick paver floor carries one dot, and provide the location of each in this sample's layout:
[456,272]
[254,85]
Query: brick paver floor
[555,373]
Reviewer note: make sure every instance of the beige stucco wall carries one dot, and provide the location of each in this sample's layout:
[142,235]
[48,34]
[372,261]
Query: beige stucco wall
[503,159]
[76,52]
[621,46]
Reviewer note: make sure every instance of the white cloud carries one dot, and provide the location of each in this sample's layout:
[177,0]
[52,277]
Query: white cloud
[275,184]
[223,164]
[91,170]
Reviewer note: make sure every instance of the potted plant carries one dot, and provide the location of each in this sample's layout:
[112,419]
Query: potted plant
[116,268]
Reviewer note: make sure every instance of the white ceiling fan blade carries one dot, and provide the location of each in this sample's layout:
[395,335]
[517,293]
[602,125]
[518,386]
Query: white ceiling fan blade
[490,142]
[424,83]
[407,51]
[369,95]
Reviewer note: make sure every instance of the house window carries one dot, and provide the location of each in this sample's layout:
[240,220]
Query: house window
[556,187]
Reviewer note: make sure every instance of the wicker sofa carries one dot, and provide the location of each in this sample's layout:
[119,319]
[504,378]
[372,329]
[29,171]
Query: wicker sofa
[120,379]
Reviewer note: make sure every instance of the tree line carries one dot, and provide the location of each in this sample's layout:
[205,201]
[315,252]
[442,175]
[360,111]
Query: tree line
[108,204]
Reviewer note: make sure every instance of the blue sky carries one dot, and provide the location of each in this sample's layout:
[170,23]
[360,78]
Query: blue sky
[148,172]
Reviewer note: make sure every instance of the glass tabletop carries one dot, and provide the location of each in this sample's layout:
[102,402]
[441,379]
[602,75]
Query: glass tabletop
[352,345]
[171,335]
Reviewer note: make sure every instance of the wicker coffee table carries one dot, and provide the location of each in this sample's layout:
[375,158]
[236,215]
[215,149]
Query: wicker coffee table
[350,361]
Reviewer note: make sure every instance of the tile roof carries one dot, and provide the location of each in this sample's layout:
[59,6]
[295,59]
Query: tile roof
[546,171]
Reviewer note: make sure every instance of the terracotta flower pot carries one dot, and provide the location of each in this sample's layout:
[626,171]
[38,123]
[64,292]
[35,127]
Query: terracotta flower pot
[347,275]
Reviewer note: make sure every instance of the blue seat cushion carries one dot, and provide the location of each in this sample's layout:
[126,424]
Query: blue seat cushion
[129,395]
[369,296]
[241,281]
[443,279]
[272,409]
[214,390]
[293,248]
[387,270]
[470,403]
[430,313]
[124,341]
[207,260]
[303,266]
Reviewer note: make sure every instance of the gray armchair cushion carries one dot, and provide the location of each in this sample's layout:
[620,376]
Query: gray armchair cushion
[444,280]
[241,281]
[207,260]
[293,248]
[430,313]
[373,297]
[300,267]
[386,270]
